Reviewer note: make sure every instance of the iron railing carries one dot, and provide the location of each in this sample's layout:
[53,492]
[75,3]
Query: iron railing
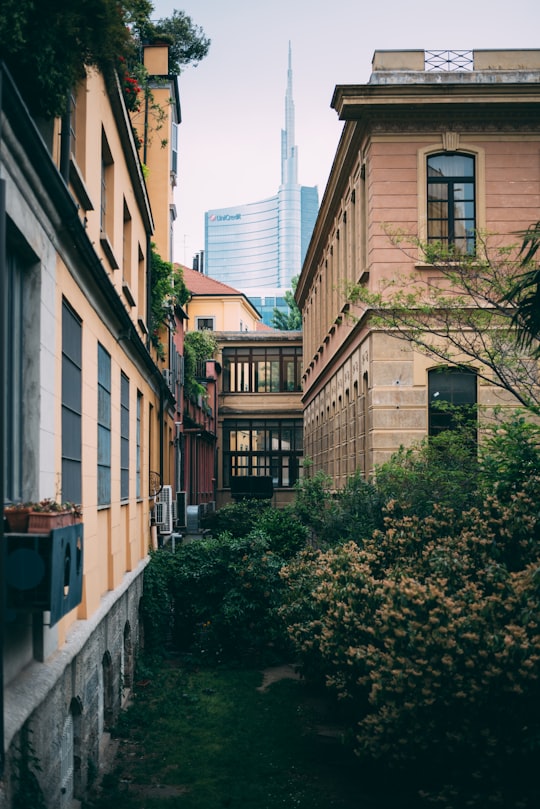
[437,61]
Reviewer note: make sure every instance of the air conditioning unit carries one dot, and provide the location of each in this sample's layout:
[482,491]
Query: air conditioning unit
[193,519]
[159,513]
[163,510]
[181,509]
[43,572]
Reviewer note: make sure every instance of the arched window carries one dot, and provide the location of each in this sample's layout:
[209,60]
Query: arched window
[451,206]
[452,398]
[108,691]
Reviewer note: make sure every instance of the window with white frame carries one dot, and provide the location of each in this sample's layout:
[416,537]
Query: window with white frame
[205,323]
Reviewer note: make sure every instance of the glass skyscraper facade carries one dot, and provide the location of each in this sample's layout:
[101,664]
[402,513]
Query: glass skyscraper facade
[259,247]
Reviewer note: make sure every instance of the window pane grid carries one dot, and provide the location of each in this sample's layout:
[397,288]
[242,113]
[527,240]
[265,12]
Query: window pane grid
[104,427]
[451,201]
[138,440]
[262,370]
[71,406]
[452,398]
[124,437]
[263,447]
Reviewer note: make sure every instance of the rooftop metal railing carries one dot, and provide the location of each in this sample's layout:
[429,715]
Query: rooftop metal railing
[437,61]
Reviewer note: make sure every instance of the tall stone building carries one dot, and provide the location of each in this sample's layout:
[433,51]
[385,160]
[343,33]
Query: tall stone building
[440,155]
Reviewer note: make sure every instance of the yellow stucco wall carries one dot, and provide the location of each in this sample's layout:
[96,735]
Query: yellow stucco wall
[229,313]
[117,536]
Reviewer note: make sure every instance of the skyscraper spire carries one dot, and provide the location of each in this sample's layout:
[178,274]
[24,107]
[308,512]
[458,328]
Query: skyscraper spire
[259,247]
[289,153]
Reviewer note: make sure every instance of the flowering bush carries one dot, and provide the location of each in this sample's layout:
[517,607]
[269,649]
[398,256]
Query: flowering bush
[422,617]
[131,90]
[430,631]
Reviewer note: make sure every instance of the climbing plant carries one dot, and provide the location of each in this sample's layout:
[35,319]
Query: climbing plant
[168,291]
[199,346]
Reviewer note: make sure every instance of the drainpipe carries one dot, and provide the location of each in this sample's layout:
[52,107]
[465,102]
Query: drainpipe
[161,414]
[65,141]
[161,432]
[149,290]
[3,272]
[145,136]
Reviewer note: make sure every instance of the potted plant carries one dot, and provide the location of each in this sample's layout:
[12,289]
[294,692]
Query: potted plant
[49,514]
[75,510]
[17,515]
[42,517]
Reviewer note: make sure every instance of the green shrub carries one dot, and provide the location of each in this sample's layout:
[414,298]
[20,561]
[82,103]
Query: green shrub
[425,624]
[430,631]
[222,596]
[440,471]
[357,512]
[156,603]
[285,533]
[509,455]
[314,504]
[236,519]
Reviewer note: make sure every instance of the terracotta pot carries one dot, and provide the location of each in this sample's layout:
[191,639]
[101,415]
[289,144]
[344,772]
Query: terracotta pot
[17,519]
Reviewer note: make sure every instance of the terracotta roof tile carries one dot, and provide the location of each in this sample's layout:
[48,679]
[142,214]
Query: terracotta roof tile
[199,284]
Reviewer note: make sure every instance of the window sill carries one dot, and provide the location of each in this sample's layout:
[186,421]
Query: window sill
[128,295]
[107,249]
[79,186]
[260,393]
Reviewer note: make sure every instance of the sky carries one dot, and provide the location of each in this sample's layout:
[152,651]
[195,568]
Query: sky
[233,102]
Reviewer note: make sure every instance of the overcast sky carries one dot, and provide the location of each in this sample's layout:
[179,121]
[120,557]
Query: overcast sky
[233,102]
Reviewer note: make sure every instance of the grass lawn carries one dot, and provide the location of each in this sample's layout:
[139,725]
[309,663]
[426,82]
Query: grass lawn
[208,738]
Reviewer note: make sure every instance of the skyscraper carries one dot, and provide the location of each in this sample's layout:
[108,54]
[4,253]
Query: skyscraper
[260,246]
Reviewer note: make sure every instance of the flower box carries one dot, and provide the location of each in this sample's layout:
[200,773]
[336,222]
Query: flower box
[42,522]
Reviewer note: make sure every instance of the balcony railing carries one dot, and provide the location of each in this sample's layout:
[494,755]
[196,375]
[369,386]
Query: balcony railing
[444,61]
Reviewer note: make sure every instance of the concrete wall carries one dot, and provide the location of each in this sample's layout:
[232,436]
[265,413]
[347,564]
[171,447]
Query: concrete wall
[60,712]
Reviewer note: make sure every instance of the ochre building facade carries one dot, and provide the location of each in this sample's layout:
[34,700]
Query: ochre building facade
[365,393]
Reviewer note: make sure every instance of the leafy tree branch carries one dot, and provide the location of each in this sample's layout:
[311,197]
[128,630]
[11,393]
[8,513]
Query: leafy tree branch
[527,289]
[466,314]
[291,320]
[48,45]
